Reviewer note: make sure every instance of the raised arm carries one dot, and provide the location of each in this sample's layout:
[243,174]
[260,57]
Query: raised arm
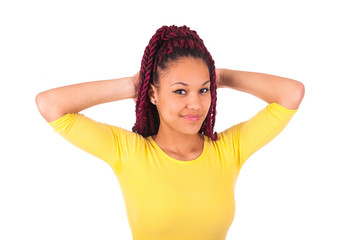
[283,96]
[284,91]
[57,102]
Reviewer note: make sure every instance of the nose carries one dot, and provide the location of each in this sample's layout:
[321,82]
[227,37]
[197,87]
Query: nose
[193,102]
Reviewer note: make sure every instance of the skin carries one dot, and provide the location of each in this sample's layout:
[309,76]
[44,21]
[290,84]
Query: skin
[183,90]
[177,136]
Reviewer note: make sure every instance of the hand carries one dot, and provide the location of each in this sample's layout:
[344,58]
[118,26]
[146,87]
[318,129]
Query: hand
[219,76]
[136,80]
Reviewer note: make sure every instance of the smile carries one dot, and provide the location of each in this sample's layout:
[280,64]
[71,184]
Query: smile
[192,118]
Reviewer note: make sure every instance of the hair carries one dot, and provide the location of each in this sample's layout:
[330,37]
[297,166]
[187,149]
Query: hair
[169,44]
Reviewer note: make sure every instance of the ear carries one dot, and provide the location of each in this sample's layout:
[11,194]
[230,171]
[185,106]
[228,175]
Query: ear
[152,93]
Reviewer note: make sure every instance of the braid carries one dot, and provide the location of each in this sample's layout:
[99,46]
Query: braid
[168,44]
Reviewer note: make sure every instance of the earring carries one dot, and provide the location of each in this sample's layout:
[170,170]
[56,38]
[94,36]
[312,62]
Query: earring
[154,102]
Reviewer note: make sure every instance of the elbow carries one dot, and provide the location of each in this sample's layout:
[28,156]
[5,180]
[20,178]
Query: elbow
[297,94]
[294,95]
[39,100]
[47,110]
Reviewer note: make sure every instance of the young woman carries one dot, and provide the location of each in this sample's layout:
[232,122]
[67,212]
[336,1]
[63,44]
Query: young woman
[176,174]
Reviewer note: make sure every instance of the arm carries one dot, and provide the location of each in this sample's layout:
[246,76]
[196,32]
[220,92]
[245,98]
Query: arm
[55,103]
[284,91]
[60,107]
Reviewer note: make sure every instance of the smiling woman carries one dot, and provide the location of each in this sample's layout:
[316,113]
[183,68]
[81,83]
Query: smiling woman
[182,110]
[177,175]
[169,47]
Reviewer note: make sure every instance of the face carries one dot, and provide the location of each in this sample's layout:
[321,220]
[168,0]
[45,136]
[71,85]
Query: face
[183,96]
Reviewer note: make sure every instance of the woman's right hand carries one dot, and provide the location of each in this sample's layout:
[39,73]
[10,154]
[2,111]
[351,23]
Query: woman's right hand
[136,80]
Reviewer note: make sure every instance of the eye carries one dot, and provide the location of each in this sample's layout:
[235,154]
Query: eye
[180,91]
[204,90]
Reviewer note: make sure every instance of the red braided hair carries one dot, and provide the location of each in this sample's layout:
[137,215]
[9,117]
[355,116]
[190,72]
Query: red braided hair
[166,45]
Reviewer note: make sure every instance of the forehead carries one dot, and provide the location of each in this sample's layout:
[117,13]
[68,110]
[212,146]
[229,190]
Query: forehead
[186,70]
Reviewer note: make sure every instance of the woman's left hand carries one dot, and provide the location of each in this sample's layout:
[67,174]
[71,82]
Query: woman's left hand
[218,78]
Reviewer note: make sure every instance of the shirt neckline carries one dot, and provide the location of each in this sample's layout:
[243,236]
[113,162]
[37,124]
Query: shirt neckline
[157,147]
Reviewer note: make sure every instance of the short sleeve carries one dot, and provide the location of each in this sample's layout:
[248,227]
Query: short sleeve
[247,137]
[112,144]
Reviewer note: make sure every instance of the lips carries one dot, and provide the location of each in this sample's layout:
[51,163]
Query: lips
[192,118]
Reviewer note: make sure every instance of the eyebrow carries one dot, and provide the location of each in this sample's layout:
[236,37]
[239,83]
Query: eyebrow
[184,84]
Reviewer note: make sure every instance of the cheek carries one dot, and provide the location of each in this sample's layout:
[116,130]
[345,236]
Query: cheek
[207,103]
[174,106]
[169,107]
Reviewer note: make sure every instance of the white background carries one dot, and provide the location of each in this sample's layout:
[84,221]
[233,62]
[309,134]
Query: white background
[302,185]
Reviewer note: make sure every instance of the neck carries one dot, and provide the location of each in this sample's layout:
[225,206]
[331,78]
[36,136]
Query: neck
[178,142]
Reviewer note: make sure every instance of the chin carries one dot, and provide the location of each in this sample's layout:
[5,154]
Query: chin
[190,130]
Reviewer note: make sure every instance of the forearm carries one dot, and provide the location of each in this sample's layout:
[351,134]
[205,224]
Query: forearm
[284,91]
[56,102]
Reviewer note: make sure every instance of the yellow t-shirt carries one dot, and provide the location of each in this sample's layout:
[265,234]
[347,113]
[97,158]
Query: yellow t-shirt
[167,198]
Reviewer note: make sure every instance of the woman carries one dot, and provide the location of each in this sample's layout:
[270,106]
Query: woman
[176,174]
